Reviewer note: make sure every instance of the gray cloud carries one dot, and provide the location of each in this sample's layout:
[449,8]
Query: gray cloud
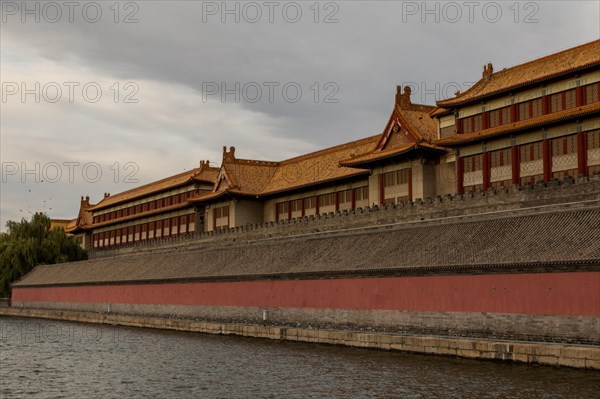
[171,54]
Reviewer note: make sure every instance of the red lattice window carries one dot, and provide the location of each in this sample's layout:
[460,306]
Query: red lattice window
[563,100]
[556,102]
[151,230]
[505,115]
[166,227]
[447,131]
[327,199]
[524,111]
[564,145]
[570,99]
[477,122]
[296,205]
[593,139]
[345,196]
[361,193]
[191,220]
[472,123]
[402,176]
[495,118]
[467,126]
[500,158]
[531,152]
[174,225]
[282,210]
[310,203]
[223,211]
[389,179]
[473,163]
[592,93]
[183,224]
[499,116]
[536,107]
[395,178]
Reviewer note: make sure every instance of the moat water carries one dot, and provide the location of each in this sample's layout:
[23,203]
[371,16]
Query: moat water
[50,359]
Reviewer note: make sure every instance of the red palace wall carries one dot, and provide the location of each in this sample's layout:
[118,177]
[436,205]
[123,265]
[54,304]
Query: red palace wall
[568,294]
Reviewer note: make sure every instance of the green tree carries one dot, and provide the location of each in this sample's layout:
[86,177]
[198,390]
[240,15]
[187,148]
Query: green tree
[27,244]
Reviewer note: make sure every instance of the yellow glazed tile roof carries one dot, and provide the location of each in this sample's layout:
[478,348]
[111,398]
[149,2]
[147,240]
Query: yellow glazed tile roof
[412,126]
[318,167]
[203,173]
[549,67]
[380,155]
[258,178]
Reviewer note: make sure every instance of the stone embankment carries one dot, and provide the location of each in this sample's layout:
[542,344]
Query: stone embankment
[549,354]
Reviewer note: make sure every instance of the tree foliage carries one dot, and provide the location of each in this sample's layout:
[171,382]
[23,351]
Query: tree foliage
[27,244]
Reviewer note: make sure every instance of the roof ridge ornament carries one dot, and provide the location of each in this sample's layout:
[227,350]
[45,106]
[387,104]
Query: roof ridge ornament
[403,99]
[488,70]
[229,155]
[204,165]
[85,201]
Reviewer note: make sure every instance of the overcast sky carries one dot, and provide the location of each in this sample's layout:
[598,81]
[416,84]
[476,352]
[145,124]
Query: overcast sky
[150,88]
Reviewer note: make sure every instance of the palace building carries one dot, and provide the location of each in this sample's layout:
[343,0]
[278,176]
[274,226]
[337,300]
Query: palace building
[533,123]
[396,165]
[159,209]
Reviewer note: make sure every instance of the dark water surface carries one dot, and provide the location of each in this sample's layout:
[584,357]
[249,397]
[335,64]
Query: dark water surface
[50,359]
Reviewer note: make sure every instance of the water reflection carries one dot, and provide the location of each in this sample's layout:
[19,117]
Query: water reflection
[41,359]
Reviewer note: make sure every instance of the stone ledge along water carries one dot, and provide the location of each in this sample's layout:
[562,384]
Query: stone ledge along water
[550,354]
